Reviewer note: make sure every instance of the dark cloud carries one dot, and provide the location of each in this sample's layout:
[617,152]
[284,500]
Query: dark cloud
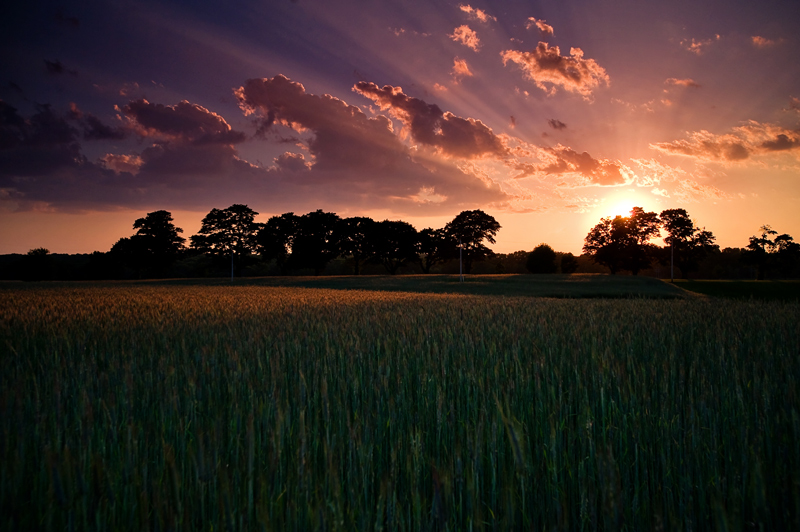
[185,121]
[454,136]
[781,143]
[57,68]
[545,64]
[63,19]
[556,124]
[38,145]
[190,160]
[93,127]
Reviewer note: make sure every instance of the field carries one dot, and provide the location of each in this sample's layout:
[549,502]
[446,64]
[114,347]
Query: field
[247,407]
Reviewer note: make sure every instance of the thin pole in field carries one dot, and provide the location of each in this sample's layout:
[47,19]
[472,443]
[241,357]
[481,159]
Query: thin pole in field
[231,264]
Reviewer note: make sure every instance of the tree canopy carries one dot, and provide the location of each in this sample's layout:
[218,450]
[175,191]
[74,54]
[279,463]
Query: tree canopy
[623,243]
[469,229]
[541,260]
[227,231]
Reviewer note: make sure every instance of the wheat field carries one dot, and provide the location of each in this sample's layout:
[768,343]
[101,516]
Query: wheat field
[143,407]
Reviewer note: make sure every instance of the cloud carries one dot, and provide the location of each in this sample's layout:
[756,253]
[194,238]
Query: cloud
[781,143]
[460,68]
[689,191]
[751,139]
[292,162]
[122,163]
[660,192]
[57,68]
[682,82]
[454,136]
[763,42]
[602,172]
[478,14]
[93,127]
[794,104]
[67,20]
[556,124]
[38,145]
[573,168]
[545,64]
[362,158]
[698,47]
[466,36]
[545,29]
[185,122]
[704,145]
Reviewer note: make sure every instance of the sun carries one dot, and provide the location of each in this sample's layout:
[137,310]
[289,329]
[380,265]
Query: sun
[621,203]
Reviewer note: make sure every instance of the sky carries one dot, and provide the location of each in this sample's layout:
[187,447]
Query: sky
[547,115]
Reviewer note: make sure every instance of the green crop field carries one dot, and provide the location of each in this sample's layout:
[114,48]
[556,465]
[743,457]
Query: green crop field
[172,406]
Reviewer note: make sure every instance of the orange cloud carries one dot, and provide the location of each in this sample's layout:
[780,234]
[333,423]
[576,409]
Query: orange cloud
[466,36]
[478,14]
[545,64]
[122,163]
[682,82]
[763,42]
[545,29]
[698,47]
[752,138]
[460,68]
[292,162]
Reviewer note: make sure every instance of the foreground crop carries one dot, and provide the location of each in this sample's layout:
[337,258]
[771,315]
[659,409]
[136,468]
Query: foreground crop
[295,409]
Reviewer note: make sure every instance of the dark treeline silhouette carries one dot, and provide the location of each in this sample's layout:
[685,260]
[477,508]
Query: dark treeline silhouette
[623,244]
[231,242]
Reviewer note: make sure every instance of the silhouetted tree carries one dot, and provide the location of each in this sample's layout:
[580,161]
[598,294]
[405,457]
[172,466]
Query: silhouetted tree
[541,260]
[470,229]
[276,239]
[394,244]
[317,241]
[434,246]
[228,232]
[768,253]
[623,243]
[356,237]
[569,263]
[688,243]
[36,265]
[158,240]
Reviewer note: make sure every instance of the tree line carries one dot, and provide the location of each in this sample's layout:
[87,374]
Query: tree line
[624,244]
[231,241]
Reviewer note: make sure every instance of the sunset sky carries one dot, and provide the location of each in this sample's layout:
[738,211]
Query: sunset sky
[548,115]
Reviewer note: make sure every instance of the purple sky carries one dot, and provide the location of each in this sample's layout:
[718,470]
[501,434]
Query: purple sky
[547,115]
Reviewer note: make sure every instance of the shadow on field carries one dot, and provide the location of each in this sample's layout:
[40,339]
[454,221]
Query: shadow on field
[763,290]
[558,286]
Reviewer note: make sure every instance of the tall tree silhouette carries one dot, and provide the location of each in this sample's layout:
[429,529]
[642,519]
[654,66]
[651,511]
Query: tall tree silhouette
[623,243]
[434,247]
[158,238]
[356,239]
[276,239]
[688,243]
[394,244]
[317,241]
[770,251]
[228,232]
[470,229]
